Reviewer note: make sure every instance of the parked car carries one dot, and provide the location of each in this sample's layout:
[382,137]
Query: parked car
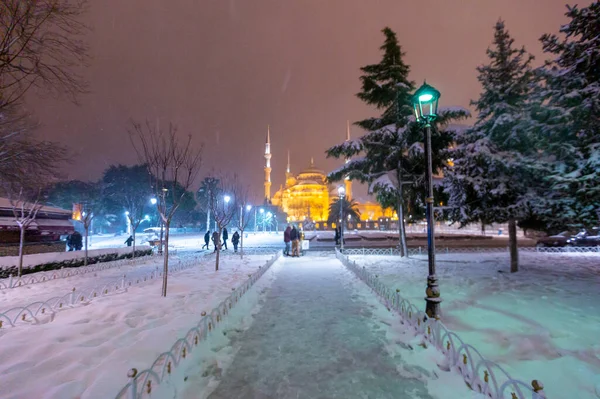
[583,239]
[557,240]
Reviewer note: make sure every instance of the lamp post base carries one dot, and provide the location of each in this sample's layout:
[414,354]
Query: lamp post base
[432,299]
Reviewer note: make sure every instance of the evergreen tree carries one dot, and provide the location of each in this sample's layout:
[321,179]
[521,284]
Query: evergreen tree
[566,121]
[390,155]
[491,179]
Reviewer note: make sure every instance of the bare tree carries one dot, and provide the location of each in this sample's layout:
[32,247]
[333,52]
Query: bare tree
[87,218]
[25,203]
[243,202]
[173,167]
[224,205]
[41,46]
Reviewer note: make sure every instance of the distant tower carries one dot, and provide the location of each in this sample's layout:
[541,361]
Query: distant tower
[347,181]
[268,167]
[288,169]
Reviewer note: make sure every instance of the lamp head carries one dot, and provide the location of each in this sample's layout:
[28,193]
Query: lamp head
[425,103]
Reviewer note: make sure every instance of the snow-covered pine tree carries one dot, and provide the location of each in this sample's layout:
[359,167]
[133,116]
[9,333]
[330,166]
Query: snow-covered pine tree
[491,180]
[566,121]
[389,157]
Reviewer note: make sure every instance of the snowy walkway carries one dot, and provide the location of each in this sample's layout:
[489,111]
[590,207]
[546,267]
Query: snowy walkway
[313,339]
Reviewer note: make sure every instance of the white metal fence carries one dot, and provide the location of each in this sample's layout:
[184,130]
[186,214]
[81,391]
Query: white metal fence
[42,277]
[480,374]
[446,250]
[142,383]
[253,251]
[34,312]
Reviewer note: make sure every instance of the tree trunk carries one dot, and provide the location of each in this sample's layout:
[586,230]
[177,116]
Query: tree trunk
[400,212]
[21,244]
[166,260]
[218,247]
[160,244]
[482,228]
[133,252]
[401,229]
[85,259]
[241,243]
[512,242]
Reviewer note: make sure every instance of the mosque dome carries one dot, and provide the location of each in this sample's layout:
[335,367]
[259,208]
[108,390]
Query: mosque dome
[312,175]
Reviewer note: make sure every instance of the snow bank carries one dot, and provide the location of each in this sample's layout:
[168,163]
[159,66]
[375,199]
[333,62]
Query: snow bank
[87,351]
[541,323]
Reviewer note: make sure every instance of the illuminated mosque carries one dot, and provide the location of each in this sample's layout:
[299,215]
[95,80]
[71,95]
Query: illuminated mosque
[307,195]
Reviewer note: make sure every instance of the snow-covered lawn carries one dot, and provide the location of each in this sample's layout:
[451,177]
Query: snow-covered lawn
[27,294]
[541,323]
[87,350]
[189,240]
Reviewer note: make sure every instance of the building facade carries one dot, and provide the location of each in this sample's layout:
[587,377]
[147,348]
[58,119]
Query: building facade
[308,195]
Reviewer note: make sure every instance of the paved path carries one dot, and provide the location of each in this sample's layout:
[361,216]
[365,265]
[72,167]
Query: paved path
[312,339]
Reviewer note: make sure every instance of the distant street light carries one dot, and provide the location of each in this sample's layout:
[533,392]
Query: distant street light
[153,201]
[425,103]
[248,207]
[342,193]
[227,198]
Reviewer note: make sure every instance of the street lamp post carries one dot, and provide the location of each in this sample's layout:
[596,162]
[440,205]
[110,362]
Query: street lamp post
[342,193]
[425,103]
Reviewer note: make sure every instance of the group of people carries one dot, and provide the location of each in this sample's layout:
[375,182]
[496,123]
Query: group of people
[74,241]
[292,236]
[218,244]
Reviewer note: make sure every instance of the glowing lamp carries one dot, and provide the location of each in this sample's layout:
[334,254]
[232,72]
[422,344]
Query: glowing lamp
[425,103]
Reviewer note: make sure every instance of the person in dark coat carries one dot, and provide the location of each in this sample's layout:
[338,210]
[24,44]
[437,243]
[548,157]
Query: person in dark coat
[337,235]
[235,239]
[287,240]
[129,241]
[295,237]
[70,243]
[215,239]
[225,236]
[76,241]
[206,239]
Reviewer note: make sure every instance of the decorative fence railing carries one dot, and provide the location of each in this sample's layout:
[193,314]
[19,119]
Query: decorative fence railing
[42,277]
[253,251]
[480,374]
[447,250]
[30,314]
[142,383]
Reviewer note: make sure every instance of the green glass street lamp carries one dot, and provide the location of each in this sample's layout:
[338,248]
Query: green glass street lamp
[425,103]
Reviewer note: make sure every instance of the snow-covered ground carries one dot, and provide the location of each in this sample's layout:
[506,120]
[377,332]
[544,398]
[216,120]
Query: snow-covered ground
[542,322]
[86,351]
[187,241]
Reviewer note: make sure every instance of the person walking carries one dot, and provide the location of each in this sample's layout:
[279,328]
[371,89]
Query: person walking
[337,235]
[235,239]
[206,239]
[215,239]
[129,241]
[287,239]
[225,237]
[295,237]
